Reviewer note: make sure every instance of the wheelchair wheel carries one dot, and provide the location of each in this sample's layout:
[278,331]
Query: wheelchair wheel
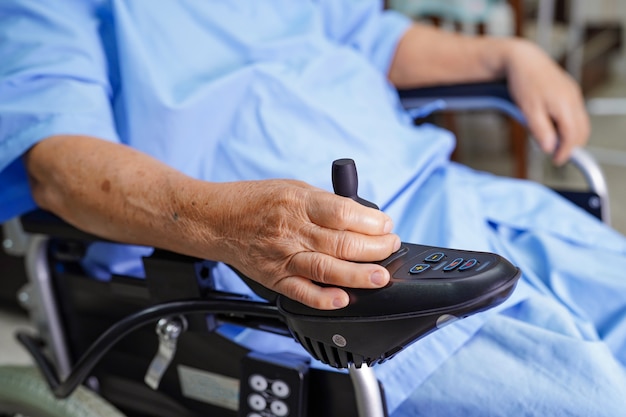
[24,393]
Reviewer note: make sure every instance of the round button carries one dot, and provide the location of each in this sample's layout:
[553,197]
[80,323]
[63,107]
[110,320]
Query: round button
[280,389]
[279,408]
[257,402]
[257,382]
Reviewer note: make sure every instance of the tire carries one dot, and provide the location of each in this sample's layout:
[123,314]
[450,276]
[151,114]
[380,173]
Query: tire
[23,392]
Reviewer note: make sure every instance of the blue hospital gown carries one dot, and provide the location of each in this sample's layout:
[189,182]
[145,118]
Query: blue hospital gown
[227,90]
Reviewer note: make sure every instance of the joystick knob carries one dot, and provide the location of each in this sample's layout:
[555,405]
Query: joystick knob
[346,181]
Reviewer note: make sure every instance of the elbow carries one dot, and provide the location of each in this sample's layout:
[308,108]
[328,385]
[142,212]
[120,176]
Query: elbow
[42,180]
[43,197]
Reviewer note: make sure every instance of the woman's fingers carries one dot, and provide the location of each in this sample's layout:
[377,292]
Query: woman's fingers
[341,213]
[311,269]
[308,293]
[349,245]
[573,125]
[542,128]
[328,270]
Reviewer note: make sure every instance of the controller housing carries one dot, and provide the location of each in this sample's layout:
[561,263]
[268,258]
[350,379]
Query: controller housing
[429,288]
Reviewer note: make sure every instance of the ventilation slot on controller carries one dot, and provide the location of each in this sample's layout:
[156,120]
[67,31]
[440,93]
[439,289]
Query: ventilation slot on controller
[330,355]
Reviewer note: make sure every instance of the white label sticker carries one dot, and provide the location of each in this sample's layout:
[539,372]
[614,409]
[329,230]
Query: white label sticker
[208,387]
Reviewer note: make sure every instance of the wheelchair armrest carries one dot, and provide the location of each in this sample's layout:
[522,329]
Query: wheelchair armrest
[495,96]
[459,97]
[498,89]
[43,222]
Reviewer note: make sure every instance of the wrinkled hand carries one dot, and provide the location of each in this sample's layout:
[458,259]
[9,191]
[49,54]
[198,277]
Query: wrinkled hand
[549,98]
[290,237]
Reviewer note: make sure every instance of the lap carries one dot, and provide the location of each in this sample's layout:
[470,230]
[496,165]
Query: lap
[516,366]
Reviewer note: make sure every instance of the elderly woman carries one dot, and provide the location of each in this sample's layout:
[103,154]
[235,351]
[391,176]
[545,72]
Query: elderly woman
[208,128]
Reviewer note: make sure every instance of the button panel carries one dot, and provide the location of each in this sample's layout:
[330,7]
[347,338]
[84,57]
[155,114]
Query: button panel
[267,395]
[273,385]
[438,263]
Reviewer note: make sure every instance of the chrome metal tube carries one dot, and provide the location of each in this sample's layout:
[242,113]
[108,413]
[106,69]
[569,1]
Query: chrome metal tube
[367,390]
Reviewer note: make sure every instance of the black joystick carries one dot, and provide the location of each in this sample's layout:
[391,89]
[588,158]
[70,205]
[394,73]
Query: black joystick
[346,181]
[429,287]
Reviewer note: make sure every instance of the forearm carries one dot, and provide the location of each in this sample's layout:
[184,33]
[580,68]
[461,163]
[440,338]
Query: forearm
[427,55]
[115,192]
[284,234]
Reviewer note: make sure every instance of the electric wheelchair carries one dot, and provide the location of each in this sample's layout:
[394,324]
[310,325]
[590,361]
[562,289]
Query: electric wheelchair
[159,347]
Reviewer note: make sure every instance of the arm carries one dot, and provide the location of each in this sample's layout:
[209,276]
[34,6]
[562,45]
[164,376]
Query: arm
[549,98]
[119,193]
[284,234]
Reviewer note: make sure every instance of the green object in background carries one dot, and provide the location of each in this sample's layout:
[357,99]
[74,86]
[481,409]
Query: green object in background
[470,11]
